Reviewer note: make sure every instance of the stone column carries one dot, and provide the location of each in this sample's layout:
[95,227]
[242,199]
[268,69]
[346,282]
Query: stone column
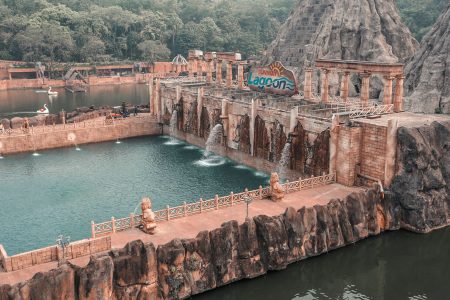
[325,95]
[334,139]
[293,118]
[219,72]
[254,111]
[177,93]
[199,69]
[229,78]
[387,93]
[240,76]
[365,86]
[199,106]
[344,86]
[224,117]
[209,71]
[391,147]
[158,100]
[150,95]
[308,84]
[398,98]
[190,66]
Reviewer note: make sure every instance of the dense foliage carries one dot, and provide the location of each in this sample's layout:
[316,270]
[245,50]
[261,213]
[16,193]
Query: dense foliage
[103,30]
[106,30]
[420,15]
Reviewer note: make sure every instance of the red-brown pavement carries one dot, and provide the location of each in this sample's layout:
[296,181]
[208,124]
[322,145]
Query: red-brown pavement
[189,227]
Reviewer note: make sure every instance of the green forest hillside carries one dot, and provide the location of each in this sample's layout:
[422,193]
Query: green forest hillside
[107,30]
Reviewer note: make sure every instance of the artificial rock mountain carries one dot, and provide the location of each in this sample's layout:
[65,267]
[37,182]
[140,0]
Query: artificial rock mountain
[366,30]
[427,84]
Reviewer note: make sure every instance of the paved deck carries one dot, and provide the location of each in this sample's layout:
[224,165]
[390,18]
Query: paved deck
[190,226]
[406,119]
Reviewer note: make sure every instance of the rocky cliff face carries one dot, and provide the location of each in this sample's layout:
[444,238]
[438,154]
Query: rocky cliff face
[182,268]
[427,84]
[422,185]
[369,30]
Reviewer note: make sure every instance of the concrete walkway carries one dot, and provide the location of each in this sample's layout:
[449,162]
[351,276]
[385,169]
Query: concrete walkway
[190,226]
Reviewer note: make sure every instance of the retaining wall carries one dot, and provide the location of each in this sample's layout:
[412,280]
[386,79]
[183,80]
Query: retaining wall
[183,268]
[59,137]
[53,253]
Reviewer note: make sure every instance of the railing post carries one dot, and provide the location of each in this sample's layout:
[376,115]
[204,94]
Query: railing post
[246,192]
[287,186]
[232,198]
[201,205]
[216,201]
[167,210]
[113,221]
[185,208]
[132,220]
[260,192]
[93,229]
[299,183]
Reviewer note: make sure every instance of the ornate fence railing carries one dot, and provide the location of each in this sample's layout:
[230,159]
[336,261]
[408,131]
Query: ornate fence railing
[201,206]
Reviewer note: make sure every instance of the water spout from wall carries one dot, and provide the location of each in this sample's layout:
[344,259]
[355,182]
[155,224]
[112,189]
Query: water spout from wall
[173,122]
[214,138]
[33,142]
[173,129]
[209,158]
[283,164]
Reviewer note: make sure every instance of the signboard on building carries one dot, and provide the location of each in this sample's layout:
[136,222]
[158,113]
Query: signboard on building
[274,79]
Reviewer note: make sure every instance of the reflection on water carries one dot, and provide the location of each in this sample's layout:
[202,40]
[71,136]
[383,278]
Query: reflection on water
[24,103]
[62,190]
[395,265]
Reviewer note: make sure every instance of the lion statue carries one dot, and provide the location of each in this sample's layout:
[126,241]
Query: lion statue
[276,189]
[148,223]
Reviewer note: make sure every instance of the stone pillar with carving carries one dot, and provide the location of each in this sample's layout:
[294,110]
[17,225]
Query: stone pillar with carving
[200,92]
[344,86]
[219,72]
[229,78]
[398,98]
[254,111]
[325,92]
[387,92]
[365,87]
[240,76]
[224,117]
[308,84]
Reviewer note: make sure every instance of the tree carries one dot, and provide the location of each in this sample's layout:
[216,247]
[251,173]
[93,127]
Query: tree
[153,51]
[92,49]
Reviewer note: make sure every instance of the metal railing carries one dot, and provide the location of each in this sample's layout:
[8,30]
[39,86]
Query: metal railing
[201,206]
[371,111]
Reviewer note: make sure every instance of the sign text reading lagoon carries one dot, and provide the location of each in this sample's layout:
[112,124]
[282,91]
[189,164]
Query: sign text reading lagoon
[274,79]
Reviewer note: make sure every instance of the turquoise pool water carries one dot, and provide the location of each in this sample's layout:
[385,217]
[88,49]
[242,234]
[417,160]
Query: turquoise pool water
[62,190]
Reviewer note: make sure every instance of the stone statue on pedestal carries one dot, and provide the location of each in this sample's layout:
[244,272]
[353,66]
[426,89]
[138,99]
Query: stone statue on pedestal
[276,189]
[148,223]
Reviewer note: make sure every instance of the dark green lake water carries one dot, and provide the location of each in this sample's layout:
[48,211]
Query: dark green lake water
[62,190]
[23,103]
[393,266]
